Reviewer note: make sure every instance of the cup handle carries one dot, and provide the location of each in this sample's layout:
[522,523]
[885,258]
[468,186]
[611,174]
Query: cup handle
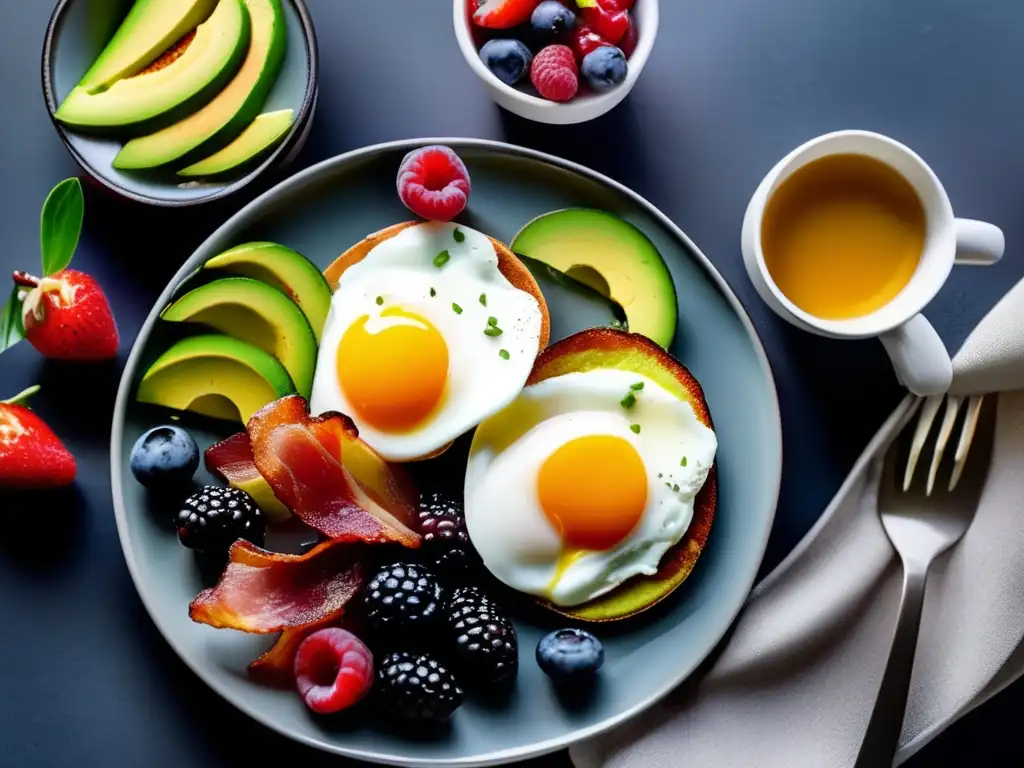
[978,243]
[920,358]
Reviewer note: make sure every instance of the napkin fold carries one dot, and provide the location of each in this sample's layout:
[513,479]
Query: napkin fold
[795,683]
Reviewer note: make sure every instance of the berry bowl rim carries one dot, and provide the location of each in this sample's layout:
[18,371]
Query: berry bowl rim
[583,107]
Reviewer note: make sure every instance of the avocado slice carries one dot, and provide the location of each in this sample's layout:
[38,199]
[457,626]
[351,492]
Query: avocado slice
[149,29]
[219,122]
[257,313]
[262,134]
[206,63]
[287,270]
[613,257]
[215,376]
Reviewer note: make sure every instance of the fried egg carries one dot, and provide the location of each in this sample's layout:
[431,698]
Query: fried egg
[585,481]
[425,338]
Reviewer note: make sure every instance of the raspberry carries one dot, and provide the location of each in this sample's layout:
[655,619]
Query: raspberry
[554,73]
[433,183]
[333,670]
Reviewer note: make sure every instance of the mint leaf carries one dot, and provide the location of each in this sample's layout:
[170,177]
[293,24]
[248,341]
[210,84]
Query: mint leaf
[11,329]
[587,4]
[61,224]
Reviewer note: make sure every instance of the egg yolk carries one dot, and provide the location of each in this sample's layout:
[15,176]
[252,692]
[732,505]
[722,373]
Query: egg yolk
[593,490]
[395,375]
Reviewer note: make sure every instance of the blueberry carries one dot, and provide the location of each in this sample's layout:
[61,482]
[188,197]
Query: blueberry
[604,68]
[509,60]
[550,20]
[165,457]
[570,655]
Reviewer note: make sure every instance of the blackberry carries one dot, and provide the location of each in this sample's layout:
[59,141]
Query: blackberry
[402,596]
[212,519]
[417,687]
[485,641]
[446,543]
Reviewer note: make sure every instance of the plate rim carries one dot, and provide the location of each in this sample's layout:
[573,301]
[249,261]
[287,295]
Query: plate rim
[297,181]
[292,142]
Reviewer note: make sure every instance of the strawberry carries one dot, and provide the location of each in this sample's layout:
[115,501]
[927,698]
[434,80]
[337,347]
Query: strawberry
[503,14]
[610,23]
[67,317]
[31,456]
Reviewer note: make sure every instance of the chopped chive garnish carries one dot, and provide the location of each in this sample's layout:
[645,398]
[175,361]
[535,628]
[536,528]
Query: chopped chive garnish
[456,309]
[628,401]
[433,293]
[503,354]
[483,299]
[637,387]
[459,235]
[635,428]
[660,475]
[493,331]
[668,485]
[683,462]
[492,321]
[441,259]
[380,300]
[675,488]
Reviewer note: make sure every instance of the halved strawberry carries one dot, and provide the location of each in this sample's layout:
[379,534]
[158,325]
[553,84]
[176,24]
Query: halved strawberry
[31,455]
[503,14]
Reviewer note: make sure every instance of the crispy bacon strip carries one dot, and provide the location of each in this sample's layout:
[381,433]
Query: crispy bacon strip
[277,665]
[262,592]
[299,457]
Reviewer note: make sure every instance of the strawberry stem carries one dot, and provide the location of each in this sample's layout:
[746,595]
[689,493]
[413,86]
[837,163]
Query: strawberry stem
[25,280]
[22,397]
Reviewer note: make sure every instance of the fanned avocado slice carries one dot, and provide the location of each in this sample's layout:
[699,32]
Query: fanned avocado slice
[149,29]
[264,132]
[257,313]
[288,271]
[215,376]
[219,122]
[206,62]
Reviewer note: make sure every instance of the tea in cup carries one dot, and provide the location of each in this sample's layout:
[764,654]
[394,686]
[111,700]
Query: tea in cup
[851,236]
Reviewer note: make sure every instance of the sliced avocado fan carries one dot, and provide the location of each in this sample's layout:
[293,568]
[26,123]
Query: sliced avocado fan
[220,121]
[208,61]
[149,29]
[262,134]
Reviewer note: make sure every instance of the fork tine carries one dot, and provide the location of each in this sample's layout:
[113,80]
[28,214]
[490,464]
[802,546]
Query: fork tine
[924,426]
[966,438]
[948,419]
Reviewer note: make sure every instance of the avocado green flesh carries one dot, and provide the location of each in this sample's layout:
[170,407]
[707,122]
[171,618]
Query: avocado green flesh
[254,312]
[227,115]
[288,271]
[206,64]
[612,256]
[263,133]
[149,29]
[216,376]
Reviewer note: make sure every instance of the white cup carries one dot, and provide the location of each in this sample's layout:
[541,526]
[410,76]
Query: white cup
[920,358]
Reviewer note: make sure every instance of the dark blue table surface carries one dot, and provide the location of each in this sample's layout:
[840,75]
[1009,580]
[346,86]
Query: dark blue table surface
[731,87]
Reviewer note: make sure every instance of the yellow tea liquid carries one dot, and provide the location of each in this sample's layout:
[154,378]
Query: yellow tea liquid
[843,235]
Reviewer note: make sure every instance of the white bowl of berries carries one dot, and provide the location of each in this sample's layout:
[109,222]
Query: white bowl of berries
[557,61]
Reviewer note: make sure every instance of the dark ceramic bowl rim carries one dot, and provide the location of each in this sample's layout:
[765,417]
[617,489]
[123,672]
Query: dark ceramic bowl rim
[296,134]
[747,570]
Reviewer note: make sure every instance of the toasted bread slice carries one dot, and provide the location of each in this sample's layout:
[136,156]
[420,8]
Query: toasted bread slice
[511,267]
[606,348]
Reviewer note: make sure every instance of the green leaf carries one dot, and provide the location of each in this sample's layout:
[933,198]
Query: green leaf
[22,398]
[587,4]
[61,225]
[11,329]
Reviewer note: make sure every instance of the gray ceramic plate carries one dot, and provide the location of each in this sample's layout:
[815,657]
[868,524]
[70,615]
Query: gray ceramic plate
[321,212]
[78,31]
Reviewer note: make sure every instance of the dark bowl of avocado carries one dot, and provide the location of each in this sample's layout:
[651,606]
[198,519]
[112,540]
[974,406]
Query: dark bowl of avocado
[180,102]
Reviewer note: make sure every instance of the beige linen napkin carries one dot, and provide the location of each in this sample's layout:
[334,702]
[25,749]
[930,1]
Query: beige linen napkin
[795,683]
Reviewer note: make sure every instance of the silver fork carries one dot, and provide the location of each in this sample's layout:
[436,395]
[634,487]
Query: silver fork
[922,526]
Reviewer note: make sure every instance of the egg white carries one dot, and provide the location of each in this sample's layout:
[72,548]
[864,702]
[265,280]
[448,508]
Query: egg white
[504,517]
[401,271]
